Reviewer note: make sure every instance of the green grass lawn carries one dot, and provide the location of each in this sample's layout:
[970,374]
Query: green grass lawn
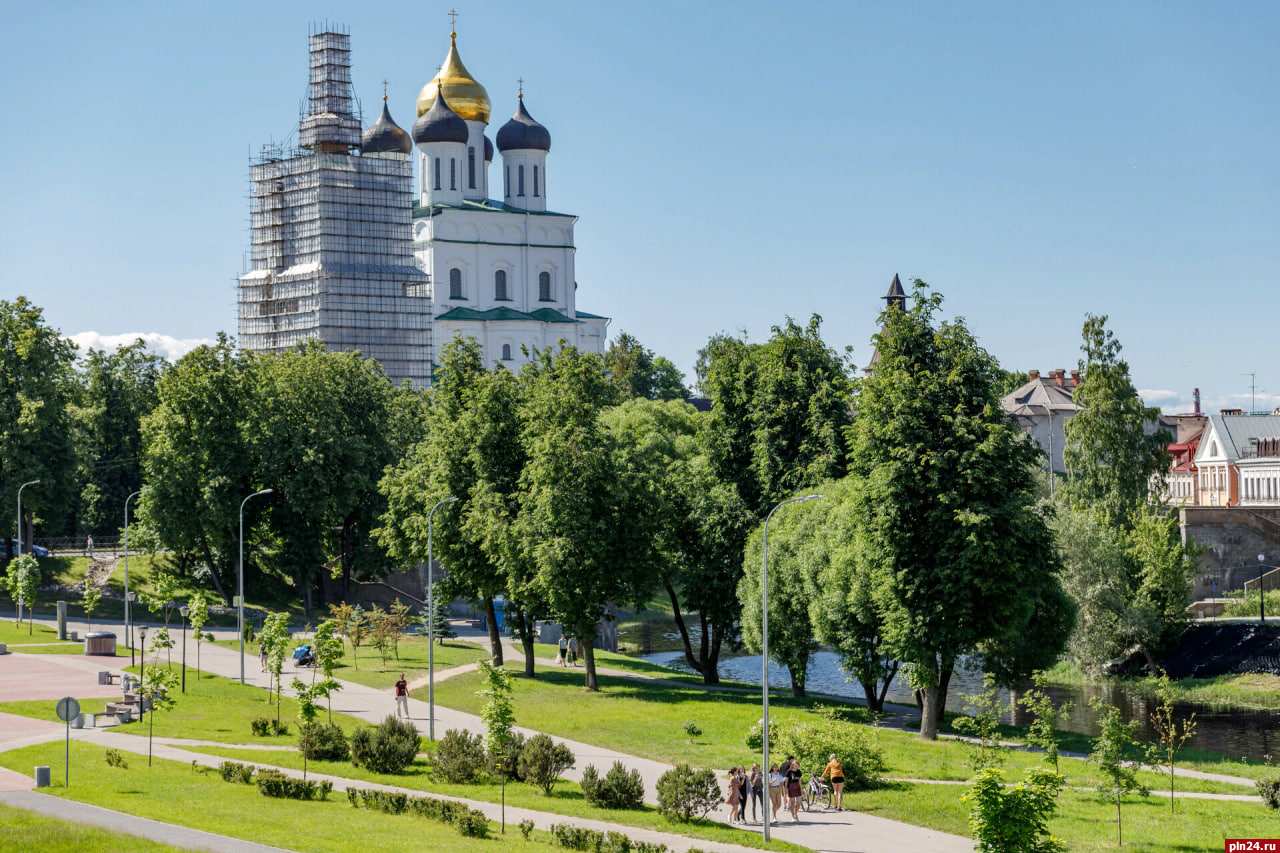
[565,799]
[175,793]
[372,673]
[12,634]
[213,708]
[24,830]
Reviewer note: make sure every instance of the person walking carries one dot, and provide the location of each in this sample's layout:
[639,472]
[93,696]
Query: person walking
[776,782]
[88,547]
[795,793]
[262,656]
[733,798]
[563,653]
[744,793]
[573,651]
[756,780]
[836,771]
[402,697]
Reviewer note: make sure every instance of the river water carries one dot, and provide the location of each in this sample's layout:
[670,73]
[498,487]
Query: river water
[1236,732]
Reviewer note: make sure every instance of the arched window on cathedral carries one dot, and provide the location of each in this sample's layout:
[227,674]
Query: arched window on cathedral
[544,286]
[455,283]
[506,352]
[535,181]
[437,173]
[471,167]
[453,173]
[520,180]
[500,286]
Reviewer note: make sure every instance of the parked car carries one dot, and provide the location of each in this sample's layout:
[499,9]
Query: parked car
[11,549]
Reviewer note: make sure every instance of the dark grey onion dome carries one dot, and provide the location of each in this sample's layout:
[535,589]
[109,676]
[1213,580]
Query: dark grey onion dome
[384,136]
[523,132]
[488,150]
[440,124]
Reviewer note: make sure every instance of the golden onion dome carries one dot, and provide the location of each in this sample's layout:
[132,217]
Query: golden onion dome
[464,94]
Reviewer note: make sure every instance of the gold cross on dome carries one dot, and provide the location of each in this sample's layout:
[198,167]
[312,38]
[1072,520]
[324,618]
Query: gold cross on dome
[453,22]
[384,91]
[521,82]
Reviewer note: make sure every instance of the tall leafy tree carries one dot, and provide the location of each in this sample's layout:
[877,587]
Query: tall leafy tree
[119,390]
[198,462]
[583,538]
[697,523]
[637,373]
[319,434]
[952,529]
[1113,455]
[36,392]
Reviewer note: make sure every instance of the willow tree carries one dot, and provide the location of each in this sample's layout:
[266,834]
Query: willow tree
[948,506]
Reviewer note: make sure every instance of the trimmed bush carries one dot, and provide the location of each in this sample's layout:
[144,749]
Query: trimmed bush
[267,727]
[543,760]
[577,838]
[459,757]
[812,743]
[1269,790]
[234,771]
[389,748]
[469,822]
[619,789]
[510,762]
[323,742]
[472,824]
[685,793]
[273,783]
[115,759]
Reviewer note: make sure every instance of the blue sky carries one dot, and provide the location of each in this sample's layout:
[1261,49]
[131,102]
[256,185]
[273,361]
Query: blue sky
[732,164]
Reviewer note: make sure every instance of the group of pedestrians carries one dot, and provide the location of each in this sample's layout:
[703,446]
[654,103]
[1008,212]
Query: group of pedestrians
[786,791]
[567,655]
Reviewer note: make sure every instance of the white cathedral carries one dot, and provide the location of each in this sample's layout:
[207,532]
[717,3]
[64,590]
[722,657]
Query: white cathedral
[342,237]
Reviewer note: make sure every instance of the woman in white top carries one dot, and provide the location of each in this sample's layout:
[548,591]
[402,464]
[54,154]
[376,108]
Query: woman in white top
[776,781]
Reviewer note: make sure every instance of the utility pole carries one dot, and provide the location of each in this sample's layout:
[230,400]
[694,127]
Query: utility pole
[1253,391]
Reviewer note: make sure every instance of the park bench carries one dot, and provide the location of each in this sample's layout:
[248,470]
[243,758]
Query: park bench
[105,677]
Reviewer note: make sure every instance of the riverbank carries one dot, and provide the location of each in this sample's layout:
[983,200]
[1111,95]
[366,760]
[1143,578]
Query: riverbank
[1250,691]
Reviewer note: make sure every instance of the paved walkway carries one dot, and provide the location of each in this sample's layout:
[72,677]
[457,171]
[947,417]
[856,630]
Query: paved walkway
[166,833]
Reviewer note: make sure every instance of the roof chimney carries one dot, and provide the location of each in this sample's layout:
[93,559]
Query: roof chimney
[1196,396]
[1075,377]
[1232,411]
[1059,376]
[1033,375]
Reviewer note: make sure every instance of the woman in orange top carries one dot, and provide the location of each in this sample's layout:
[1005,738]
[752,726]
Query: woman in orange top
[836,771]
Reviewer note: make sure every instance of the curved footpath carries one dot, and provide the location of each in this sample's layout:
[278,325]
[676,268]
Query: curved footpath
[834,832]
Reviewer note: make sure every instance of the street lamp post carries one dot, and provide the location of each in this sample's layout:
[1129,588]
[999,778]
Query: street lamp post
[240,579]
[764,633]
[128,611]
[431,627]
[184,610]
[1262,593]
[20,488]
[142,674]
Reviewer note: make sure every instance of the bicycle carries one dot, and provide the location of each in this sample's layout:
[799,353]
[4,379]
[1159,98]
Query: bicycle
[818,793]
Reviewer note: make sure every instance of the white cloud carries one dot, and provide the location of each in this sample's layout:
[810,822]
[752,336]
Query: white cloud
[1158,397]
[167,346]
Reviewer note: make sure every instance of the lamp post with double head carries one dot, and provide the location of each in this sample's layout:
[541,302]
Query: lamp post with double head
[764,633]
[431,626]
[128,611]
[240,579]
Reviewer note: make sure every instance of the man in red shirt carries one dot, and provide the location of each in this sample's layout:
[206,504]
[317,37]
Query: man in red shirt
[402,697]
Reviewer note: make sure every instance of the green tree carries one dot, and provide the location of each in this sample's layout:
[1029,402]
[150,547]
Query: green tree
[21,581]
[443,464]
[119,389]
[328,649]
[1014,818]
[443,629]
[36,394]
[198,614]
[948,508]
[1171,732]
[637,373]
[1119,776]
[319,432]
[1112,459]
[158,689]
[275,638]
[983,727]
[89,599]
[584,543]
[1043,730]
[696,523]
[499,720]
[198,462]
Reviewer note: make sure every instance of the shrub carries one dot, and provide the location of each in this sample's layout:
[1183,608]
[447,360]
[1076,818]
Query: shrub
[234,771]
[510,763]
[685,793]
[526,828]
[691,729]
[543,760]
[323,742]
[389,748]
[115,759]
[619,789]
[267,727]
[472,824]
[1269,789]
[273,783]
[459,757]
[577,838]
[1014,819]
[813,742]
[469,822]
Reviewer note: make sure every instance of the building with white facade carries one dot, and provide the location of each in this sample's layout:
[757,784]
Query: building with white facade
[348,248]
[1238,460]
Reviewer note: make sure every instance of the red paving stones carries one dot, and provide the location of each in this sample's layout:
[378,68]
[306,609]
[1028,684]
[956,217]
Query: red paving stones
[28,677]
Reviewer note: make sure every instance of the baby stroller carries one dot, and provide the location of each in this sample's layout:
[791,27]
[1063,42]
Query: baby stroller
[304,656]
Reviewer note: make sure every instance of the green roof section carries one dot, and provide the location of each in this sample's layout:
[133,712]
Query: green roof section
[542,315]
[589,316]
[492,205]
